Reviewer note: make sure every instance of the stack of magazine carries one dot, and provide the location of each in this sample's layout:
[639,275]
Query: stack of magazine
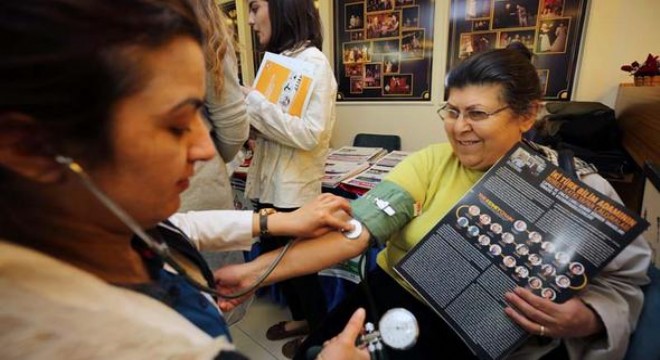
[349,161]
[369,178]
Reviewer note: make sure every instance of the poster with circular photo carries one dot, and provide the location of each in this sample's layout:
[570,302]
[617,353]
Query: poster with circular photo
[576,268]
[473,230]
[509,261]
[522,272]
[462,221]
[495,250]
[535,283]
[548,270]
[548,293]
[534,259]
[563,281]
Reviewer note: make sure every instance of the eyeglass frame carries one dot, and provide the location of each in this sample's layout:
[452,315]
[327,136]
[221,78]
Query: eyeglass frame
[467,117]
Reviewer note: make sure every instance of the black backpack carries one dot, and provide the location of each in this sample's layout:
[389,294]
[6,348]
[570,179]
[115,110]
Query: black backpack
[590,125]
[589,130]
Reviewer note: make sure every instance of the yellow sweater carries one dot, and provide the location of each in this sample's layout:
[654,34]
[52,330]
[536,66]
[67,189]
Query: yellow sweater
[435,179]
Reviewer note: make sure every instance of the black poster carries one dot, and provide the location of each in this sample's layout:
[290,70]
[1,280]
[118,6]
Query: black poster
[550,28]
[525,223]
[383,49]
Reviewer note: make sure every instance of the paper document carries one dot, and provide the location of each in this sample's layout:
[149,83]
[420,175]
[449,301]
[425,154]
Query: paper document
[286,82]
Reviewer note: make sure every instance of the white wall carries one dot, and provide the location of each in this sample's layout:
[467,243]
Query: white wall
[617,32]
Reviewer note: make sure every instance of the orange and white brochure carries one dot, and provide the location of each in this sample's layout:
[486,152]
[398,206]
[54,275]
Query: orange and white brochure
[286,82]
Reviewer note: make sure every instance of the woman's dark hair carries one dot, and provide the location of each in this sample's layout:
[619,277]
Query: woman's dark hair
[511,68]
[292,23]
[66,63]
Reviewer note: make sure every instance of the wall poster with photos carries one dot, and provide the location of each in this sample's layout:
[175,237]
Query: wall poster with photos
[551,29]
[383,49]
[229,9]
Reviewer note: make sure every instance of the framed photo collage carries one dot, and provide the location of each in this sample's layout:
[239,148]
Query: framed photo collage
[551,29]
[383,49]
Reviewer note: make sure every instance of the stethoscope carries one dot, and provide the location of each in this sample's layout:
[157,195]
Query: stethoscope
[159,248]
[397,328]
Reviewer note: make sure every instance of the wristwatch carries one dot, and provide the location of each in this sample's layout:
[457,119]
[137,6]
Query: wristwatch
[263,221]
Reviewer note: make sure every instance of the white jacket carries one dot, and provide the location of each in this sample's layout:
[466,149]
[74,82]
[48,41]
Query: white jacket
[217,230]
[289,158]
[614,294]
[52,310]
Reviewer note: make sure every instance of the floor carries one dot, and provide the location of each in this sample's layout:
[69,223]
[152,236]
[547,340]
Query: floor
[249,333]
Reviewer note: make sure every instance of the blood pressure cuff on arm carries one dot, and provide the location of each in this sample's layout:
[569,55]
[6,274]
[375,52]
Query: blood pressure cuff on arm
[384,210]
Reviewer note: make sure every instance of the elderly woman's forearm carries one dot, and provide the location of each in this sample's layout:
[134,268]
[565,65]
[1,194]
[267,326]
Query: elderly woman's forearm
[310,256]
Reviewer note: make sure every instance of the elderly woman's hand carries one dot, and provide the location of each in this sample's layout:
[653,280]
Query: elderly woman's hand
[543,317]
[324,214]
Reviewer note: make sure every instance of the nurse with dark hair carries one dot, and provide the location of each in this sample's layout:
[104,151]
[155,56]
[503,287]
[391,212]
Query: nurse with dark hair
[100,111]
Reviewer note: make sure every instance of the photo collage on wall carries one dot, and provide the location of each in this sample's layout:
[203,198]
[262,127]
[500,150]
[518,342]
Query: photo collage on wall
[549,28]
[229,9]
[383,49]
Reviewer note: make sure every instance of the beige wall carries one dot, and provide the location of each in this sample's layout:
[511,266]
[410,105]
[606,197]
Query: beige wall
[617,32]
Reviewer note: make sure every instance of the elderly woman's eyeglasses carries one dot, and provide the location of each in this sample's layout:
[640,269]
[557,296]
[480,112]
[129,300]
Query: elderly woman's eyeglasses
[448,114]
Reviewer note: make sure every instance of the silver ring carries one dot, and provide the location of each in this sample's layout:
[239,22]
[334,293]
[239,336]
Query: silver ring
[542,331]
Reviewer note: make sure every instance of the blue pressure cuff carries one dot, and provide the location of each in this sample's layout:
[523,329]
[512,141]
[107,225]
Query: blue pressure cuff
[384,210]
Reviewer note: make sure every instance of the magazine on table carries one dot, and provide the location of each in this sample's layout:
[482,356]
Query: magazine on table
[371,177]
[286,82]
[336,171]
[393,158]
[357,154]
[525,223]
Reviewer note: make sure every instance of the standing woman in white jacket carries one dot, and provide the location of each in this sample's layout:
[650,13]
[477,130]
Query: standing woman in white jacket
[289,156]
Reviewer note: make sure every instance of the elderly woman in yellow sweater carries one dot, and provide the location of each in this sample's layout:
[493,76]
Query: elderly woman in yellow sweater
[493,99]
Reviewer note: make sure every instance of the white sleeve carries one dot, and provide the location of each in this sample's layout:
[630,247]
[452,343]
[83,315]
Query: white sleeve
[217,230]
[300,133]
[227,113]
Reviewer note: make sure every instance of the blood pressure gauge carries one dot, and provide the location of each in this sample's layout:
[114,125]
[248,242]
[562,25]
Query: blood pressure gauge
[397,328]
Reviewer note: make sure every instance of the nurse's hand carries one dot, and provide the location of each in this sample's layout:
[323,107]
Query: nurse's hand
[343,346]
[324,214]
[231,279]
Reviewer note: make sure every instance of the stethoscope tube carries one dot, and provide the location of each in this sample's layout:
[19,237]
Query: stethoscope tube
[159,248]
